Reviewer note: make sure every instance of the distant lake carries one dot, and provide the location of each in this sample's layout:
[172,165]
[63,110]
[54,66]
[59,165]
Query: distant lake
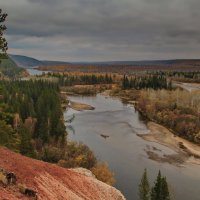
[35,71]
[124,151]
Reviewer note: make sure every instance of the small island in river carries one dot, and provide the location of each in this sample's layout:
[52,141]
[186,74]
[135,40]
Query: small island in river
[80,106]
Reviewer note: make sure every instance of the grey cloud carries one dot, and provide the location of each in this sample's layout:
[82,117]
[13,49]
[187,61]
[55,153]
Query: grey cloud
[102,29]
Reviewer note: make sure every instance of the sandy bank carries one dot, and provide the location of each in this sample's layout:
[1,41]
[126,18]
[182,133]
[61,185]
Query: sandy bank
[80,106]
[187,86]
[185,150]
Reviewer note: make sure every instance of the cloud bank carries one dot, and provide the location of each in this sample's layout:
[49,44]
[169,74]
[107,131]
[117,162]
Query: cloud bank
[100,30]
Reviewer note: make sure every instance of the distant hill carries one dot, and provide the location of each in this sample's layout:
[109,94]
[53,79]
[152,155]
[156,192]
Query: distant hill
[145,62]
[9,68]
[29,62]
[47,62]
[26,62]
[108,66]
[127,66]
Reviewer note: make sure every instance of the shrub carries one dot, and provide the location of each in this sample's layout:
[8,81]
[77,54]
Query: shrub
[103,173]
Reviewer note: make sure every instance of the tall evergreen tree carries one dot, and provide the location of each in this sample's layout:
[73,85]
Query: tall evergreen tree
[160,190]
[26,148]
[165,190]
[7,136]
[156,190]
[3,43]
[144,189]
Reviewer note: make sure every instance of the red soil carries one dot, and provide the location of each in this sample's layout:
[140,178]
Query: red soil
[51,181]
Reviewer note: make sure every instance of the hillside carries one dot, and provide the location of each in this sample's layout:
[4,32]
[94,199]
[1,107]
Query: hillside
[127,66]
[47,62]
[29,62]
[173,62]
[50,181]
[26,62]
[108,66]
[9,68]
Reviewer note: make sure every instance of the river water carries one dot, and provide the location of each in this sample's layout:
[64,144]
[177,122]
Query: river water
[124,151]
[33,71]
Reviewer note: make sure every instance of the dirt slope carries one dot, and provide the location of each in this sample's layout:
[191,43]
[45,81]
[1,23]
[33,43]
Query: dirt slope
[52,182]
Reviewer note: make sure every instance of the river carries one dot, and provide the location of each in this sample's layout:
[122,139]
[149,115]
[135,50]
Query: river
[124,151]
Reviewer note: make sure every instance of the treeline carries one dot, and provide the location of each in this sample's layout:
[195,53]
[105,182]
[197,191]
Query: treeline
[183,76]
[159,191]
[144,82]
[193,77]
[85,79]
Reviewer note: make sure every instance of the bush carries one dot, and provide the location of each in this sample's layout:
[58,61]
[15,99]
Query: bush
[103,173]
[51,154]
[7,136]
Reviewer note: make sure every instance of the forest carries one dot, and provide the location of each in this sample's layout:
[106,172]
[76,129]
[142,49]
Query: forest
[29,107]
[31,122]
[85,79]
[182,76]
[148,81]
[177,110]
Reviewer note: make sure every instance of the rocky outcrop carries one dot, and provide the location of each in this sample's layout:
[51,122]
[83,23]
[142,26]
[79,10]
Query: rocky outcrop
[50,181]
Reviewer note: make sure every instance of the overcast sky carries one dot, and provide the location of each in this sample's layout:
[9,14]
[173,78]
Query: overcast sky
[102,30]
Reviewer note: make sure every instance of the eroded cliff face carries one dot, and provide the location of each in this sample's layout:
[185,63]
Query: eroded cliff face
[50,181]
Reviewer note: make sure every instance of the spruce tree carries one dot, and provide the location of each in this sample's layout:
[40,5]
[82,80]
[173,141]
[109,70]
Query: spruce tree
[165,190]
[160,190]
[3,43]
[26,147]
[144,188]
[156,190]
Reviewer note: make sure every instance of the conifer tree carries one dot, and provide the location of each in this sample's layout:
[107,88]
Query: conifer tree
[7,137]
[165,189]
[156,190]
[144,188]
[26,148]
[160,190]
[3,43]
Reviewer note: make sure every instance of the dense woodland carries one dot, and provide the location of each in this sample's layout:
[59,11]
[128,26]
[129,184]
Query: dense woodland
[38,100]
[182,76]
[148,81]
[32,103]
[83,79]
[31,117]
[177,110]
[31,122]
[193,77]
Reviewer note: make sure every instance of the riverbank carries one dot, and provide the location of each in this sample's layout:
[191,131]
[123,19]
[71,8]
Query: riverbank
[187,86]
[185,150]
